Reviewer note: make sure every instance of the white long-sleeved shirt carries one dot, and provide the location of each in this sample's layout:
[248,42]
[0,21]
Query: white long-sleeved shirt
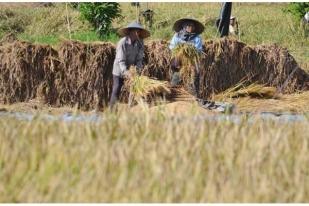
[196,41]
[127,54]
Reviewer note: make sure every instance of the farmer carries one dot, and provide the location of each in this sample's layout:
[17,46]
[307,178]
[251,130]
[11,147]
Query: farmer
[129,52]
[306,17]
[233,28]
[187,31]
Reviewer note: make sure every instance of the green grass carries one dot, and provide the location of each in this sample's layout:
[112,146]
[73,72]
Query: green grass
[86,36]
[46,39]
[260,23]
[90,36]
[138,157]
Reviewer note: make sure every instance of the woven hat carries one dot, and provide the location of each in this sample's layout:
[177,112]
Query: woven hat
[134,25]
[199,27]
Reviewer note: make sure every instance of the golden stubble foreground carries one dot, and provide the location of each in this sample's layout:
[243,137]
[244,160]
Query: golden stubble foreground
[152,157]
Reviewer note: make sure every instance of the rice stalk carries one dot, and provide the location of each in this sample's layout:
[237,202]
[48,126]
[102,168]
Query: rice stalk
[143,87]
[189,57]
[253,90]
[295,103]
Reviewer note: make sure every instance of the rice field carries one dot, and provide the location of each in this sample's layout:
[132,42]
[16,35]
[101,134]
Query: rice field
[138,157]
[160,154]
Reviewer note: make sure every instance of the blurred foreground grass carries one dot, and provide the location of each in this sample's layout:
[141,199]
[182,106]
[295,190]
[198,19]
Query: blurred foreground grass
[143,157]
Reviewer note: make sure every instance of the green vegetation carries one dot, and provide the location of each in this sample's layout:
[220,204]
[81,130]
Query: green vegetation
[100,15]
[150,157]
[298,9]
[12,21]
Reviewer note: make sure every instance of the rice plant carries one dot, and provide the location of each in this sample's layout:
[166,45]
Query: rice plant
[142,157]
[142,87]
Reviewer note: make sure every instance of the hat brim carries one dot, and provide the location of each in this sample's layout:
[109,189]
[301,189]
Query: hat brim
[199,27]
[125,31]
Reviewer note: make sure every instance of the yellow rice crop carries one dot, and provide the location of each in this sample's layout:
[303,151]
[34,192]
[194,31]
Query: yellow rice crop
[189,57]
[142,87]
[252,90]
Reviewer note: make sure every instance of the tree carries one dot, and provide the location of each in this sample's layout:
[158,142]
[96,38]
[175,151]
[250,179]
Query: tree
[298,10]
[100,14]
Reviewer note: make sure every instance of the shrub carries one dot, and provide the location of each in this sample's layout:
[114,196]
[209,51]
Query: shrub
[100,15]
[298,10]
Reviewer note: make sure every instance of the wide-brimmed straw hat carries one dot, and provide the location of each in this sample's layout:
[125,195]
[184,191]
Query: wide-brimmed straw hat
[199,27]
[134,25]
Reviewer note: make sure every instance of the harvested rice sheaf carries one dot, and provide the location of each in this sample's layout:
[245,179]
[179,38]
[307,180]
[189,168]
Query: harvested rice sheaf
[241,90]
[227,62]
[157,61]
[81,73]
[85,78]
[27,71]
[189,57]
[143,87]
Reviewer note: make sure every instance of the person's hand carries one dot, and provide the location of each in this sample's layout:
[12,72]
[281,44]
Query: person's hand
[127,74]
[139,70]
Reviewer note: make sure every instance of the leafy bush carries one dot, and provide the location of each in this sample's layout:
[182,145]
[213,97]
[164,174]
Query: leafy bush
[100,15]
[298,10]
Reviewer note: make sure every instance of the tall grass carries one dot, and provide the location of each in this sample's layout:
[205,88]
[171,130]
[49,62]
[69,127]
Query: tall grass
[137,157]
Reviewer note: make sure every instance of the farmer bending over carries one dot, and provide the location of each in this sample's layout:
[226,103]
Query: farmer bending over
[187,31]
[129,52]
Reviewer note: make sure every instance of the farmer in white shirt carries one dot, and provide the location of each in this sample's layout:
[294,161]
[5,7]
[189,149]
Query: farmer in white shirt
[306,17]
[187,31]
[129,52]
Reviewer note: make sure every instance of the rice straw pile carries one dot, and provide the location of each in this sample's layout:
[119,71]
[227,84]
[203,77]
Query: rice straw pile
[253,90]
[296,103]
[189,57]
[145,88]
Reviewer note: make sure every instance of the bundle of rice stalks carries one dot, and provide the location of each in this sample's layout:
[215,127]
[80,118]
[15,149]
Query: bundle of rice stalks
[143,87]
[157,60]
[241,90]
[297,103]
[27,71]
[189,57]
[228,61]
[85,78]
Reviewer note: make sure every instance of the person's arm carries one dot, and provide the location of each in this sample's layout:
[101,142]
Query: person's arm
[173,42]
[121,56]
[198,43]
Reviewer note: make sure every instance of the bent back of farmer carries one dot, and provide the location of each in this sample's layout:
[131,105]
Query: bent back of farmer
[187,31]
[129,52]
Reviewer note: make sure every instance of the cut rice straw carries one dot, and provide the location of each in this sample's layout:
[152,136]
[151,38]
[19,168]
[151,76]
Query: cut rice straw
[295,103]
[188,56]
[253,90]
[143,87]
